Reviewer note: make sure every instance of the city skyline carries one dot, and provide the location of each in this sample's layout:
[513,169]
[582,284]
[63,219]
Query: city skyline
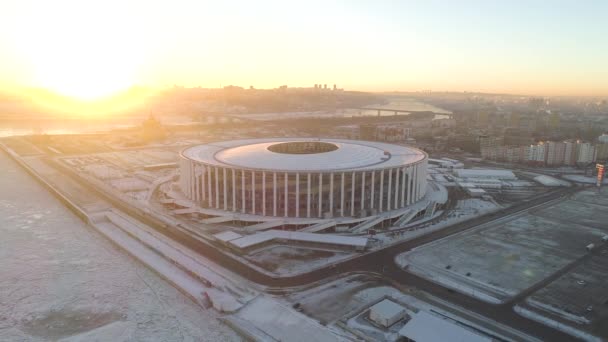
[92,50]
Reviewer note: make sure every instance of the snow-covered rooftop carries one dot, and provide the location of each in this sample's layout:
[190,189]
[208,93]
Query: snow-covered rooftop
[476,191]
[387,308]
[429,328]
[255,239]
[485,173]
[349,155]
[280,323]
[227,236]
[550,181]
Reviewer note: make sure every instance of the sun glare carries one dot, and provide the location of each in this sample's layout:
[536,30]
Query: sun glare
[86,53]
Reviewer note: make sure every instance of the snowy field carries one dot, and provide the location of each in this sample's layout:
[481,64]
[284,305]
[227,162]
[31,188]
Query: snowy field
[498,262]
[573,293]
[550,181]
[60,280]
[583,179]
[579,212]
[286,260]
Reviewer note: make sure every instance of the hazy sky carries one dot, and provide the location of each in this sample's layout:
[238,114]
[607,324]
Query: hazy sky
[539,47]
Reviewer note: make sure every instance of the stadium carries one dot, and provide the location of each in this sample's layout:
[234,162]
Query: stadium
[302,178]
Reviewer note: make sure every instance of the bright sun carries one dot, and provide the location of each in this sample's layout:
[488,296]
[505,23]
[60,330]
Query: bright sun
[85,52]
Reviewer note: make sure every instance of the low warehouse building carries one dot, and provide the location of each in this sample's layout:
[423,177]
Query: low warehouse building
[430,328]
[485,174]
[475,192]
[386,313]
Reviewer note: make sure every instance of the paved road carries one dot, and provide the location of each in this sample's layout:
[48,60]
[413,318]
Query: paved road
[381,261]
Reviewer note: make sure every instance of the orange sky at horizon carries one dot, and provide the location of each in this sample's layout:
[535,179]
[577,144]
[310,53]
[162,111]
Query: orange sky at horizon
[95,49]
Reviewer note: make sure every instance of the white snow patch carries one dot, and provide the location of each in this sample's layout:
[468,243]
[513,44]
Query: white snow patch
[550,181]
[555,324]
[283,323]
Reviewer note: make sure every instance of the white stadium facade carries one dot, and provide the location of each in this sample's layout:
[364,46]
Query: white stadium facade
[303,178]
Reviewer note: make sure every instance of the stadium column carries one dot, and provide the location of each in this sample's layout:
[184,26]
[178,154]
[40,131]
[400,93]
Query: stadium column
[381,191]
[409,185]
[217,189]
[320,194]
[390,189]
[352,195]
[362,191]
[418,172]
[192,181]
[225,189]
[403,186]
[286,202]
[297,194]
[243,202]
[209,197]
[308,195]
[233,190]
[426,182]
[274,194]
[415,183]
[253,192]
[202,187]
[195,185]
[371,202]
[264,193]
[419,180]
[342,195]
[184,177]
[396,204]
[331,194]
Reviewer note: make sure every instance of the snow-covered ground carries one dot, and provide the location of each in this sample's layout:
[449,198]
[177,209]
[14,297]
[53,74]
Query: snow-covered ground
[497,261]
[550,181]
[267,317]
[583,179]
[464,210]
[60,280]
[555,324]
[289,260]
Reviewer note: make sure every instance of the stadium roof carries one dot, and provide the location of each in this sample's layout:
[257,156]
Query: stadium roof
[349,155]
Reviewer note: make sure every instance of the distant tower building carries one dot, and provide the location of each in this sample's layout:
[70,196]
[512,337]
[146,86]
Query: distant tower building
[325,86]
[537,154]
[556,152]
[601,152]
[488,145]
[335,88]
[570,153]
[585,152]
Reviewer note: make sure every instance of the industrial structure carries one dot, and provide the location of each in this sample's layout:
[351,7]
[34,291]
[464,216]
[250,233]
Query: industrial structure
[295,178]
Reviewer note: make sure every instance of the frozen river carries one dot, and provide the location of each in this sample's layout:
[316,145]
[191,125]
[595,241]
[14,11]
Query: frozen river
[60,280]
